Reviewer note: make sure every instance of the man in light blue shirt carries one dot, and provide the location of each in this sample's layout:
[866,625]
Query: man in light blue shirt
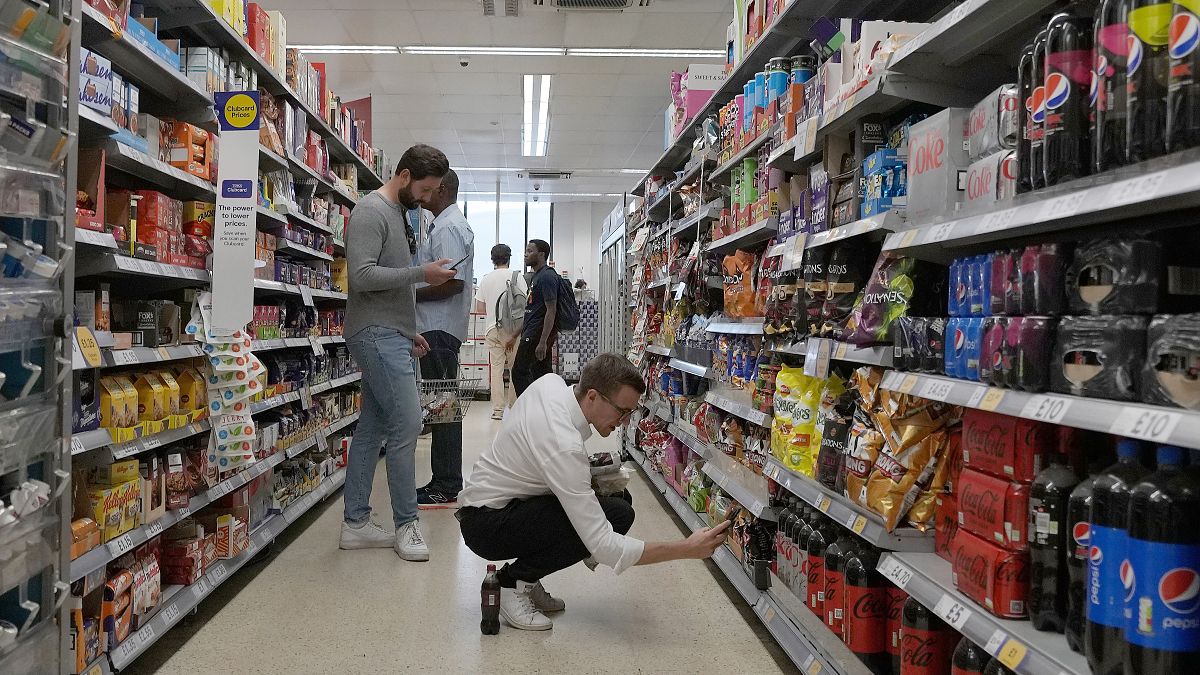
[443,314]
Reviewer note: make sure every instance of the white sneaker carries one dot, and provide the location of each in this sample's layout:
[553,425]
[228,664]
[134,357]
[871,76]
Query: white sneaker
[410,545]
[543,601]
[497,414]
[518,610]
[368,535]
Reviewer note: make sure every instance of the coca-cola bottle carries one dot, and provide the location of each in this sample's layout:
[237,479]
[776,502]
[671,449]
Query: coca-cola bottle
[1048,543]
[926,642]
[896,597]
[835,579]
[994,667]
[866,610]
[818,541]
[969,658]
[803,529]
[489,603]
[784,544]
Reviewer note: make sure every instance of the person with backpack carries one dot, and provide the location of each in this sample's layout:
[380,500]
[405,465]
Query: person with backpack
[551,309]
[502,297]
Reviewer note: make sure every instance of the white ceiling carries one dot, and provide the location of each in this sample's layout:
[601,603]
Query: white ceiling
[605,113]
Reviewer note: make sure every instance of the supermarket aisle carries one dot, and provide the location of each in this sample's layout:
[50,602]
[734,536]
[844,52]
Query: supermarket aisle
[315,609]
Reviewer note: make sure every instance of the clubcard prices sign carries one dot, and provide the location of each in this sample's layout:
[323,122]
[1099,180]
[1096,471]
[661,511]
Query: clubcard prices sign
[237,199]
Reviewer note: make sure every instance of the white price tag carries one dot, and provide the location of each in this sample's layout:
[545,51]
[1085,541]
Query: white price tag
[976,397]
[1062,207]
[154,529]
[218,572]
[322,441]
[995,642]
[183,512]
[850,518]
[895,570]
[220,490]
[1046,408]
[151,442]
[1135,190]
[76,445]
[954,612]
[1151,425]
[305,397]
[306,295]
[941,232]
[148,634]
[998,220]
[938,390]
[170,613]
[315,343]
[129,648]
[201,588]
[121,545]
[124,357]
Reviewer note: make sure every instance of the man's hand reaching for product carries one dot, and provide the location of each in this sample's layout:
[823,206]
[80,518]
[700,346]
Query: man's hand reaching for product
[420,346]
[540,351]
[436,272]
[703,543]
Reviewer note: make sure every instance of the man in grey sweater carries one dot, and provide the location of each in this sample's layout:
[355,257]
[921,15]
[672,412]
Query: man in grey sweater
[381,332]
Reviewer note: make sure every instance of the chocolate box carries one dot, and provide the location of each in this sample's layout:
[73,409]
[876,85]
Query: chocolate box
[996,578]
[1005,446]
[994,509]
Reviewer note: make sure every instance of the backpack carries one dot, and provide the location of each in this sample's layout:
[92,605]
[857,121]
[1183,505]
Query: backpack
[510,307]
[567,316]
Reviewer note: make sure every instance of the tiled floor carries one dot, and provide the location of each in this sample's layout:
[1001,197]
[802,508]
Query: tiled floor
[312,608]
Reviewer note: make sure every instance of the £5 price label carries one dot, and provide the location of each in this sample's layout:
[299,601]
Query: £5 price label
[1151,425]
[954,612]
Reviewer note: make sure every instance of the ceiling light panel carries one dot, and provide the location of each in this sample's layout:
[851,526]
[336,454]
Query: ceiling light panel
[482,51]
[535,125]
[348,49]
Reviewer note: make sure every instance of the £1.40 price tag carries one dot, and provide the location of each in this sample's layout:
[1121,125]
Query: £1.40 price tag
[1151,425]
[1044,408]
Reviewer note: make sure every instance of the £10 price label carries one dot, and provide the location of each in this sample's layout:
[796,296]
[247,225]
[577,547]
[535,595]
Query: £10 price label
[1148,424]
[1044,408]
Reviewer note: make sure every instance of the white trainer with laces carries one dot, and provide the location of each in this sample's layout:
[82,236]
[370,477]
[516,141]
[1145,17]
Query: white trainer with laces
[367,535]
[410,545]
[543,601]
[518,610]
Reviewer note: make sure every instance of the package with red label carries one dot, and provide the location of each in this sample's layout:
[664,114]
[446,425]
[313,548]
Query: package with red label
[996,578]
[994,509]
[945,524]
[1005,446]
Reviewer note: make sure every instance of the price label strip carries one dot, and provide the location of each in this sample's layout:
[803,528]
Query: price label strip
[1150,425]
[171,614]
[1044,408]
[121,545]
[823,503]
[938,390]
[896,571]
[906,385]
[953,611]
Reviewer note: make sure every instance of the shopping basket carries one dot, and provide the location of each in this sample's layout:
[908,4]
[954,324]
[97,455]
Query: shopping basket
[445,401]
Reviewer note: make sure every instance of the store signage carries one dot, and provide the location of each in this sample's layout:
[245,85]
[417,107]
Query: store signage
[237,196]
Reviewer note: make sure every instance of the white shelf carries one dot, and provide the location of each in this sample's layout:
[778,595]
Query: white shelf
[879,355]
[303,219]
[113,263]
[269,160]
[749,326]
[101,438]
[293,289]
[754,234]
[288,246]
[928,579]
[883,222]
[286,343]
[737,402]
[705,214]
[861,521]
[696,369]
[658,349]
[177,183]
[1135,420]
[94,238]
[112,358]
[275,218]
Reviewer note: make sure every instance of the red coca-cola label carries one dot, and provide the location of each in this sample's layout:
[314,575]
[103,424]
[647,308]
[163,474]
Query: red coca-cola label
[994,509]
[981,181]
[1005,446]
[993,577]
[835,613]
[926,652]
[866,619]
[928,152]
[816,584]
[895,617]
[955,455]
[945,524]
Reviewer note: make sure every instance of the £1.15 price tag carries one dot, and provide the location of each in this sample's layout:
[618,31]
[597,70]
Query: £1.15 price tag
[121,545]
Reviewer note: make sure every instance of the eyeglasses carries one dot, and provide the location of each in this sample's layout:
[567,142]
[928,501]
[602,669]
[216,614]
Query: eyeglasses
[625,412]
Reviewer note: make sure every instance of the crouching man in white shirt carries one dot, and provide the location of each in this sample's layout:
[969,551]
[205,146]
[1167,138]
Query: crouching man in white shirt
[530,496]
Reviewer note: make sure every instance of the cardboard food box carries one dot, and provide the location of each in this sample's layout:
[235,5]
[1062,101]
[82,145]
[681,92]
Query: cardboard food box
[116,509]
[109,475]
[154,489]
[994,509]
[937,165]
[995,578]
[95,82]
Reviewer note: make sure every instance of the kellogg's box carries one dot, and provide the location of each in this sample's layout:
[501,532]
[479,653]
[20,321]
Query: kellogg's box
[95,82]
[993,577]
[994,509]
[1005,446]
[937,165]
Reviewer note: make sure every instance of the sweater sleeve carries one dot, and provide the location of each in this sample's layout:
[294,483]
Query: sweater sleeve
[364,244]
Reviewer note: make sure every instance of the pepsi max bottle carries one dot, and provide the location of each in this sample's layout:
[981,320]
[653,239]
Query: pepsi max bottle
[1183,93]
[1147,66]
[1079,510]
[1163,596]
[1037,113]
[1025,85]
[1048,542]
[1067,147]
[1108,569]
[1108,88]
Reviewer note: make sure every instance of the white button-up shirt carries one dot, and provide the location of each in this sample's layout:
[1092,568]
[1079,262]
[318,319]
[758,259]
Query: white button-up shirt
[448,236]
[539,450]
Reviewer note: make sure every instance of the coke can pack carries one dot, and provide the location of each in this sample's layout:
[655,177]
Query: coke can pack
[1005,446]
[994,509]
[991,179]
[937,165]
[992,124]
[994,577]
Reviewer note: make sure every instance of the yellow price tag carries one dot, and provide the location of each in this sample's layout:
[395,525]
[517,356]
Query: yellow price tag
[842,348]
[859,523]
[991,400]
[1011,654]
[770,614]
[907,385]
[823,504]
[909,238]
[87,346]
[814,667]
[164,354]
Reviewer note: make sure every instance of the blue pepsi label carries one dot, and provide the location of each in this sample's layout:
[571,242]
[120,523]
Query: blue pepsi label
[1164,596]
[1106,597]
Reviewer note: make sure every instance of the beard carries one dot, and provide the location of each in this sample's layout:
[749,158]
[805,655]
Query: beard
[405,196]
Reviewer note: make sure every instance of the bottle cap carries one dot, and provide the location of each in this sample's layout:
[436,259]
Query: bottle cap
[1127,449]
[491,568]
[1170,455]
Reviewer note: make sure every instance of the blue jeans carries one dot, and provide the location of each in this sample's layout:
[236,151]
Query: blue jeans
[445,450]
[390,418]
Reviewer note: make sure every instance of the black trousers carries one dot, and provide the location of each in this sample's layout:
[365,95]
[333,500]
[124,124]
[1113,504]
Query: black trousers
[536,532]
[526,367]
[445,452]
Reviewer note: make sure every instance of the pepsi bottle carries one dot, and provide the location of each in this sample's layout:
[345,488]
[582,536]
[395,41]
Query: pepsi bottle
[1025,72]
[1067,147]
[969,658]
[1147,67]
[866,610]
[1108,569]
[1108,85]
[1037,113]
[1079,510]
[1163,597]
[1183,93]
[1048,542]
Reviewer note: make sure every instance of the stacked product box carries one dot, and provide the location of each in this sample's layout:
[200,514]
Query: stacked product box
[885,175]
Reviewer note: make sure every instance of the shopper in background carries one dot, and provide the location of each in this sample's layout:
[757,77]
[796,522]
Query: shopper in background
[539,330]
[381,332]
[530,495]
[501,297]
[443,314]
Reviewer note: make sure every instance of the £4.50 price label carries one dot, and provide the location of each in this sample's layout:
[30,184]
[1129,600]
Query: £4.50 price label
[1043,408]
[953,611]
[1151,425]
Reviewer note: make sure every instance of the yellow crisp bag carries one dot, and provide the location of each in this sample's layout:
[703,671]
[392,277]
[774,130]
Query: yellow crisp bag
[788,384]
[831,390]
[801,450]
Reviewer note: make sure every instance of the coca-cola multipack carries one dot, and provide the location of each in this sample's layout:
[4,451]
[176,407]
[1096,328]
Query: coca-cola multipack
[937,165]
[992,576]
[994,509]
[1005,446]
[992,124]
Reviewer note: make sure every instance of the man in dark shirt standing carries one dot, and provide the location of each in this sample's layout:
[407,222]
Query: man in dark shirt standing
[541,319]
